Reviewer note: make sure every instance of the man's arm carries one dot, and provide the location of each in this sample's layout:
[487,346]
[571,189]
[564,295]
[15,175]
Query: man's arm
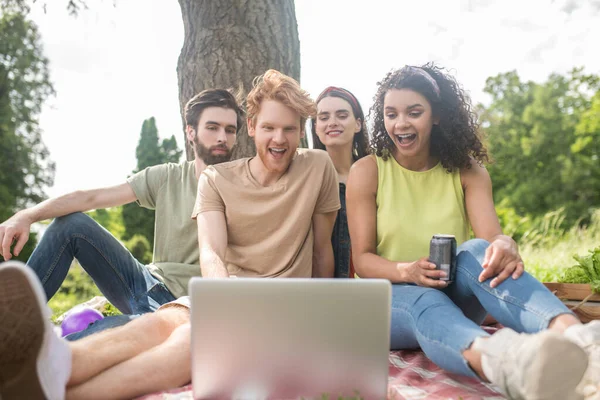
[16,229]
[212,242]
[323,262]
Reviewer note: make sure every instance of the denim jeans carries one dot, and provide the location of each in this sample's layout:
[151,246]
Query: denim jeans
[444,323]
[340,239]
[122,279]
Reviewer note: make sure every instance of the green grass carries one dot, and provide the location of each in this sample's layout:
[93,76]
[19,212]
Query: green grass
[77,288]
[548,251]
[548,263]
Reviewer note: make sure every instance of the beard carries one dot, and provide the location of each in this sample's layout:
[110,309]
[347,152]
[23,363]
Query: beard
[206,153]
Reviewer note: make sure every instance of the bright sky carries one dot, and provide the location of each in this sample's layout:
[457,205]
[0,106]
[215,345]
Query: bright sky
[113,67]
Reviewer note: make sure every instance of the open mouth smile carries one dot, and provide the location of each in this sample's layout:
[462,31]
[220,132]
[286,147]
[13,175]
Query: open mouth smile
[277,153]
[406,139]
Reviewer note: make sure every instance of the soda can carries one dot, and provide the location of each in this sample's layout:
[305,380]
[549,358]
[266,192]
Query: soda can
[442,252]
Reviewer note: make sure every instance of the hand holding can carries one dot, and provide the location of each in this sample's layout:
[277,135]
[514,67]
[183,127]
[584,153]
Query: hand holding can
[442,253]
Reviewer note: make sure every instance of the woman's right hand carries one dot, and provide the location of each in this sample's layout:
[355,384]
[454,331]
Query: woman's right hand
[423,273]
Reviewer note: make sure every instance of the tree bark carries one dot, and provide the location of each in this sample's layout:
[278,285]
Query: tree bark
[229,42]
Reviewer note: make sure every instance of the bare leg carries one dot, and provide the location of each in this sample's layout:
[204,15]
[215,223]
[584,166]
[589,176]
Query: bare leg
[473,357]
[562,322]
[160,368]
[96,353]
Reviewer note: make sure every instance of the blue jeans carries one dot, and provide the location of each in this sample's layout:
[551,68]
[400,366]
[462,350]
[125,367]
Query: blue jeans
[122,279]
[444,323]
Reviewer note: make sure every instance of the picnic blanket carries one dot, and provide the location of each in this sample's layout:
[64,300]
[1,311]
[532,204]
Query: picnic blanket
[411,376]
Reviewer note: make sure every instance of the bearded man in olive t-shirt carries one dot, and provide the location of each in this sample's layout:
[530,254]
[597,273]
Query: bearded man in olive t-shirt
[213,118]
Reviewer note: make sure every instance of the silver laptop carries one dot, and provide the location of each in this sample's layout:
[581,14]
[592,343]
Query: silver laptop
[290,338]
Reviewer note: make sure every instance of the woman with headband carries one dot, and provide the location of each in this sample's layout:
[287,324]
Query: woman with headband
[427,177]
[339,128]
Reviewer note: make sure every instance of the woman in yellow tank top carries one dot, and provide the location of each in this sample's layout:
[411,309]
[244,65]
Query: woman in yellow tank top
[427,177]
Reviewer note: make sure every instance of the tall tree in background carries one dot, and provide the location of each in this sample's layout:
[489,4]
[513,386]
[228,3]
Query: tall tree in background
[543,138]
[229,42]
[149,152]
[25,168]
[585,166]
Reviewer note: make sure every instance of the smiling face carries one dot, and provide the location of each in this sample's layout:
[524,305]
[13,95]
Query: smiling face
[276,130]
[408,120]
[336,124]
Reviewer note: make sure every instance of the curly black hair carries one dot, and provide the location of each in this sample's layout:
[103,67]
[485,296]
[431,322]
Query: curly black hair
[456,139]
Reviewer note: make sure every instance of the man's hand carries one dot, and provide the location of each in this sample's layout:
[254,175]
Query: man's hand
[501,260]
[423,273]
[14,230]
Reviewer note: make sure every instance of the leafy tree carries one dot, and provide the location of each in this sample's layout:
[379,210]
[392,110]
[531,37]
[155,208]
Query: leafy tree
[226,44]
[584,167]
[149,152]
[25,168]
[140,248]
[229,42]
[74,7]
[541,136]
[111,219]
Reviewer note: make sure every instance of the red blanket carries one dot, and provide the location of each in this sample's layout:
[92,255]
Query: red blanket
[414,376]
[411,376]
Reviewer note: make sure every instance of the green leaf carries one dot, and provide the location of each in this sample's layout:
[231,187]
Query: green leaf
[586,271]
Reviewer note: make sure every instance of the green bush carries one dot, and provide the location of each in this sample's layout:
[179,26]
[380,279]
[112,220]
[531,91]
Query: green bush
[140,248]
[77,288]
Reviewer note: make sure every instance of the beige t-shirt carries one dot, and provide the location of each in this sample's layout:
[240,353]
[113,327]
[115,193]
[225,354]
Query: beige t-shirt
[170,189]
[269,229]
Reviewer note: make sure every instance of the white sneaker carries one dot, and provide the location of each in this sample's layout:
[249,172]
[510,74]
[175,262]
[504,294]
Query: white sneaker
[35,363]
[541,366]
[588,338]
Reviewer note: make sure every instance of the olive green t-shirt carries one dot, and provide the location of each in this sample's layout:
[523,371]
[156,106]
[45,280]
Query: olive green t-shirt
[269,229]
[170,189]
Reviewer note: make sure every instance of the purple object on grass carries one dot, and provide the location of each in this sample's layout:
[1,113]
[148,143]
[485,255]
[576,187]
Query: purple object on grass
[78,319]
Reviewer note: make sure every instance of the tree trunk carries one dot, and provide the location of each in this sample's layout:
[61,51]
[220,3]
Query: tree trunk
[229,42]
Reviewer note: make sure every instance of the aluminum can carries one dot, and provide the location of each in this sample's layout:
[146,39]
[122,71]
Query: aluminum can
[442,252]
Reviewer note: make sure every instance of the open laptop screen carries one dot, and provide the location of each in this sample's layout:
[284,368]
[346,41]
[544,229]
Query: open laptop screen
[290,338]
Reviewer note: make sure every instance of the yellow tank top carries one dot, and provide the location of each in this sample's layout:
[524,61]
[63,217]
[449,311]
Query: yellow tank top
[413,206]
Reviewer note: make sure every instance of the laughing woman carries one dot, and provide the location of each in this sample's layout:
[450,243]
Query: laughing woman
[427,177]
[339,128]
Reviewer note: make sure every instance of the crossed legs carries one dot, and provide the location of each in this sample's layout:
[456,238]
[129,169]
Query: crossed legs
[149,354]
